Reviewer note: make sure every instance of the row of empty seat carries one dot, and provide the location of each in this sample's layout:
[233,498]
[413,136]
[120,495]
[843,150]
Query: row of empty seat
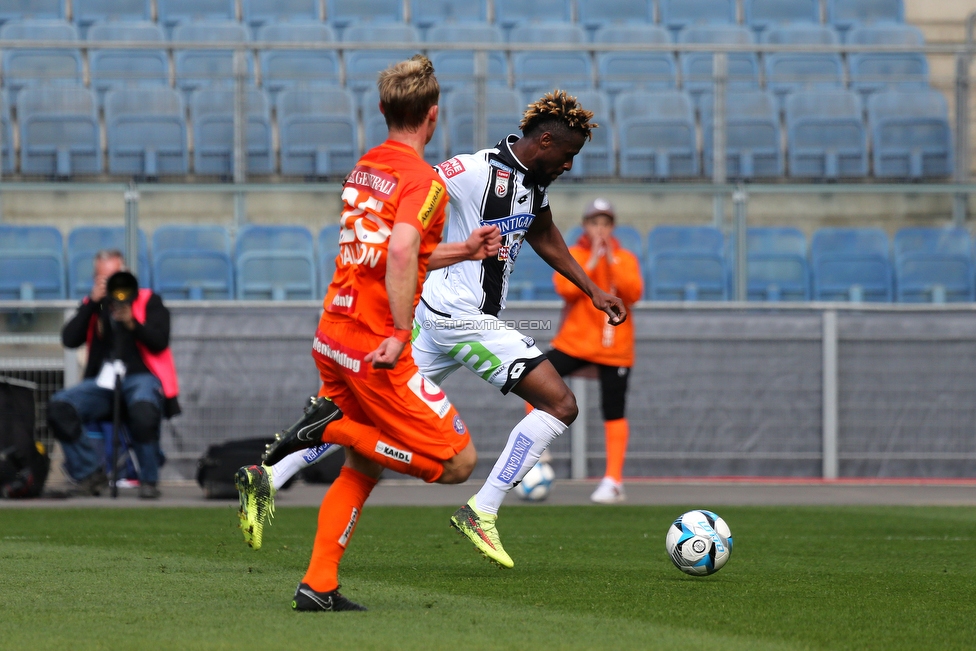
[683,263]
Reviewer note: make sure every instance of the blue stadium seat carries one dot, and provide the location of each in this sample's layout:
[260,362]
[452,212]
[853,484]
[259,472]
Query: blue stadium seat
[764,14]
[31,10]
[851,264]
[376,132]
[146,132]
[85,241]
[686,263]
[31,263]
[213,132]
[627,236]
[318,131]
[192,262]
[777,265]
[540,72]
[276,263]
[679,14]
[342,13]
[362,66]
[328,250]
[656,132]
[876,71]
[59,132]
[788,72]
[509,13]
[263,12]
[696,67]
[174,12]
[845,14]
[594,14]
[827,136]
[911,134]
[752,135]
[455,68]
[30,66]
[86,12]
[203,68]
[623,71]
[531,280]
[597,156]
[426,13]
[7,155]
[118,68]
[504,110]
[934,265]
[284,69]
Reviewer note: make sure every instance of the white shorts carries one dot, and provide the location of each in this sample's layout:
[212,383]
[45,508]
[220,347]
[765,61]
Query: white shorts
[484,344]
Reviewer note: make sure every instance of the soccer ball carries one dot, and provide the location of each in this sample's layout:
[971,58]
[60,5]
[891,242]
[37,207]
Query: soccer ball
[699,543]
[535,486]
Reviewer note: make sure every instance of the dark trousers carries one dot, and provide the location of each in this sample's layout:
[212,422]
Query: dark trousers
[613,381]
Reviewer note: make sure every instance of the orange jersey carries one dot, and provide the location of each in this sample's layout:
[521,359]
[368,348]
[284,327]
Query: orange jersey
[389,185]
[585,332]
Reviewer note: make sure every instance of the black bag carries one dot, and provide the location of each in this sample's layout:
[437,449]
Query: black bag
[216,469]
[24,464]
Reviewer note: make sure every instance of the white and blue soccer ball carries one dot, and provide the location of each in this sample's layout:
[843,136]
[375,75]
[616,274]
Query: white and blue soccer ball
[699,543]
[537,483]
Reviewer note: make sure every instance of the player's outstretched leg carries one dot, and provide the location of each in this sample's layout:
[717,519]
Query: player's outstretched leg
[308,600]
[480,529]
[306,433]
[257,502]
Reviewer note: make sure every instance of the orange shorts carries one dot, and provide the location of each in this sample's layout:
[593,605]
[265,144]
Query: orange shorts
[404,405]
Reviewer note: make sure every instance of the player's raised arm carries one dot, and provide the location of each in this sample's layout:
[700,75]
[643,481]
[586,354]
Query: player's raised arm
[482,243]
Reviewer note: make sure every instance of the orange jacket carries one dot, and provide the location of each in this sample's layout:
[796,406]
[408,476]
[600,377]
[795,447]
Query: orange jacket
[584,332]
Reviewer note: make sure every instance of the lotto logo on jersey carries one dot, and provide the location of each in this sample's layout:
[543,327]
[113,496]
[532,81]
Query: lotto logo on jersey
[432,395]
[451,168]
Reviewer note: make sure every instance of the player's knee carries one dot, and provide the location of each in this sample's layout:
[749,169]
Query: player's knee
[459,468]
[564,407]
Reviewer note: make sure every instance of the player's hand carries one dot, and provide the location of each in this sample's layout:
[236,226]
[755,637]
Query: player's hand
[483,242]
[386,354]
[611,305]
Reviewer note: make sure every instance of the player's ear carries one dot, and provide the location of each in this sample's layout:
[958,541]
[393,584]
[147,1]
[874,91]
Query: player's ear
[433,112]
[545,140]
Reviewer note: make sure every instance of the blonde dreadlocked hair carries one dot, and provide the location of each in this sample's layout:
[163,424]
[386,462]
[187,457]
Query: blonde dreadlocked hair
[557,108]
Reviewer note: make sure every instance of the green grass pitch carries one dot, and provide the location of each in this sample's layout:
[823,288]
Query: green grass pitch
[585,578]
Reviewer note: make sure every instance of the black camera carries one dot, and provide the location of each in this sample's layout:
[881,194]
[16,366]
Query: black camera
[122,287]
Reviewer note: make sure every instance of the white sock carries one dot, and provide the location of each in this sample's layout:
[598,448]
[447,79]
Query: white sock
[288,467]
[525,445]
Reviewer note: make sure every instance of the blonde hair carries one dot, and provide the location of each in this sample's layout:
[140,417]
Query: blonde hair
[555,110]
[407,91]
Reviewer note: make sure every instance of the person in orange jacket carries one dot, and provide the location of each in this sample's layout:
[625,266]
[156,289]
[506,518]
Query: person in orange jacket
[585,337]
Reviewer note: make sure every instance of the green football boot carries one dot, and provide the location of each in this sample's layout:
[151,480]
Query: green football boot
[257,502]
[480,530]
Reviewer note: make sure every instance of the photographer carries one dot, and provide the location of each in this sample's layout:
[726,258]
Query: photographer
[126,331]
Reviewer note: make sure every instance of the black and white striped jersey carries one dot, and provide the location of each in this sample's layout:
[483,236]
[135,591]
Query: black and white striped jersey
[487,187]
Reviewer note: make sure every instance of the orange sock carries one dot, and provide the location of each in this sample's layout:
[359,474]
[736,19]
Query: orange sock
[338,515]
[616,432]
[368,441]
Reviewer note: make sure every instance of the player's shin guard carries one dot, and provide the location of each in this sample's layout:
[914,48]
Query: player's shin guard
[525,445]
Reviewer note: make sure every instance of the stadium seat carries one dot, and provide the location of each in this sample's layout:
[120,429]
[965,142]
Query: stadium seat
[328,250]
[318,131]
[540,72]
[679,14]
[504,109]
[59,134]
[597,156]
[30,66]
[627,236]
[31,10]
[85,241]
[686,263]
[427,13]
[624,71]
[342,13]
[86,12]
[263,12]
[146,132]
[594,14]
[531,280]
[174,12]
[204,68]
[911,134]
[374,125]
[455,68]
[192,262]
[851,264]
[362,66]
[777,265]
[788,72]
[827,136]
[764,14]
[284,69]
[934,265]
[213,132]
[697,67]
[510,13]
[656,132]
[7,155]
[876,71]
[752,135]
[118,68]
[31,263]
[276,263]
[845,14]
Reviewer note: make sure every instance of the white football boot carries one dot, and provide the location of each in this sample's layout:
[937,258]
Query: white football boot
[608,492]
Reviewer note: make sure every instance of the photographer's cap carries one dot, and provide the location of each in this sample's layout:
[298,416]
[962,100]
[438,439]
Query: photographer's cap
[122,287]
[600,206]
